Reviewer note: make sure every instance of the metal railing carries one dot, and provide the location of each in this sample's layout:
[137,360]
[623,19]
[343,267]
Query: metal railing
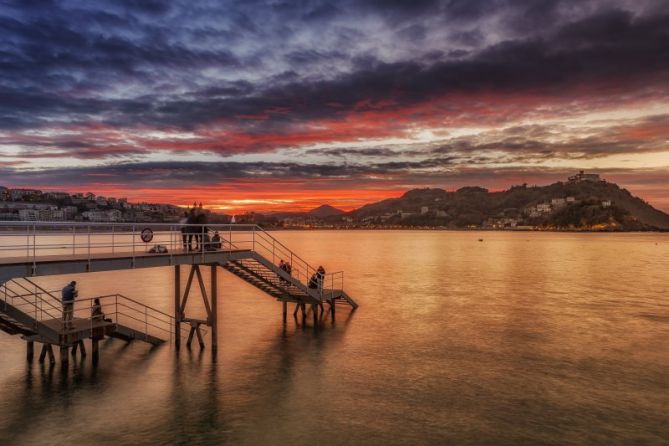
[39,241]
[44,306]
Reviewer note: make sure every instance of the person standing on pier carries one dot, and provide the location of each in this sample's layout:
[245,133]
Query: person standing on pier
[184,230]
[69,293]
[191,230]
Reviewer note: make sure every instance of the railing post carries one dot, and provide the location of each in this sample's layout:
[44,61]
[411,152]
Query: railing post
[34,248]
[133,246]
[146,322]
[89,242]
[74,239]
[113,241]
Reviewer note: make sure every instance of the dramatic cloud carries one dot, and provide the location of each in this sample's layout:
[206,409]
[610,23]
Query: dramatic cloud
[345,96]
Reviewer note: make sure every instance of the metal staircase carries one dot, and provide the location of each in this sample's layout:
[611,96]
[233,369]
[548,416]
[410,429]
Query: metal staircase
[28,310]
[262,270]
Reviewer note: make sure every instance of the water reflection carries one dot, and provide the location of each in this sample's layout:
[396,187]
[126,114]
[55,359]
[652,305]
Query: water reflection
[520,339]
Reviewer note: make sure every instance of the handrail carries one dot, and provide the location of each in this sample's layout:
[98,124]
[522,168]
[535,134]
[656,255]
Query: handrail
[91,240]
[144,315]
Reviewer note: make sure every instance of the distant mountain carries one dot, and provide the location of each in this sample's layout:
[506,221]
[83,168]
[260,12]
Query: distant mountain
[587,204]
[325,211]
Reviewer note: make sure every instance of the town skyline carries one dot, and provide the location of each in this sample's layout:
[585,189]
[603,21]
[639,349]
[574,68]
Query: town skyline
[255,105]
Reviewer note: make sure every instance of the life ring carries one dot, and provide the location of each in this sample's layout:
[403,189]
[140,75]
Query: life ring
[146,235]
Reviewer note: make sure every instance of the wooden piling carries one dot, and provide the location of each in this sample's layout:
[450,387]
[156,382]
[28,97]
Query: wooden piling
[30,351]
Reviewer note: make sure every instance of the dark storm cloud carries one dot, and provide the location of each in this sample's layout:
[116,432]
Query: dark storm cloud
[125,70]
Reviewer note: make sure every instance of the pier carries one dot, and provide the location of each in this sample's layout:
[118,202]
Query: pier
[35,314]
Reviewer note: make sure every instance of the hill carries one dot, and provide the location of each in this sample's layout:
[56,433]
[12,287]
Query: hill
[325,211]
[576,204]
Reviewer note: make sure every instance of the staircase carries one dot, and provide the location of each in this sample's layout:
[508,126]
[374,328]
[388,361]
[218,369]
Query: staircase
[263,271]
[35,314]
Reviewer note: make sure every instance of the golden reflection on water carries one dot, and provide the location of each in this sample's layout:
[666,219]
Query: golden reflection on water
[538,338]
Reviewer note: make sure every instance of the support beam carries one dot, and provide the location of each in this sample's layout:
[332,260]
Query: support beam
[82,350]
[30,352]
[96,350]
[199,337]
[314,310]
[214,307]
[42,354]
[177,306]
[285,311]
[52,357]
[332,309]
[210,304]
[64,358]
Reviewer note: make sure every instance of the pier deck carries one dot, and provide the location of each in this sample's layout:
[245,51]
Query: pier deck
[29,249]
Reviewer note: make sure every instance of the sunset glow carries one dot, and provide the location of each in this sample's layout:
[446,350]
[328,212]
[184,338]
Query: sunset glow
[252,107]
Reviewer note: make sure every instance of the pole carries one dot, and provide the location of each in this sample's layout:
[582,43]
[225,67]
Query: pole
[214,307]
[177,306]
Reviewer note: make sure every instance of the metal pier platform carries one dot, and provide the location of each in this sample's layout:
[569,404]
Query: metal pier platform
[29,249]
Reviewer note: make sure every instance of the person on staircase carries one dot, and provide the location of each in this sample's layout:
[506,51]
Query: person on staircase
[320,278]
[216,241]
[96,312]
[69,293]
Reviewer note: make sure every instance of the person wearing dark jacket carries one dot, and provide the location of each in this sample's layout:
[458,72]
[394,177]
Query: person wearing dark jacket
[69,293]
[191,230]
[200,219]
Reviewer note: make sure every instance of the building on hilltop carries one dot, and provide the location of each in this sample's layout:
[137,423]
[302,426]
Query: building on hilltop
[582,176]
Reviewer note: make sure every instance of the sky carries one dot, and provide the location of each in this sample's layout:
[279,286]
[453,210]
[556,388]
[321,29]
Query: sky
[285,105]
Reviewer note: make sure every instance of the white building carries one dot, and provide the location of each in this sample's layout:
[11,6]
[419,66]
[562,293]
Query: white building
[41,215]
[558,202]
[112,215]
[582,176]
[424,210]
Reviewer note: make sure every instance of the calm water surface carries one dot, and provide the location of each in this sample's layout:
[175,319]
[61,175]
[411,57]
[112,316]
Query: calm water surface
[523,338]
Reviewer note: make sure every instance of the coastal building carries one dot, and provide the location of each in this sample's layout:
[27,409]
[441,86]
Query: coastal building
[558,202]
[56,195]
[606,203]
[41,215]
[112,215]
[424,210]
[582,176]
[544,208]
[570,200]
[25,194]
[4,193]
